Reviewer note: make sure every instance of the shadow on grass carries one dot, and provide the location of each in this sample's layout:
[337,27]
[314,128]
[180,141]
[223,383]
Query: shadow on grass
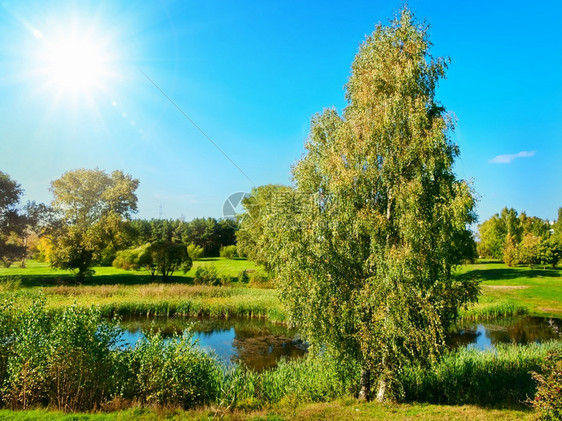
[508,273]
[47,280]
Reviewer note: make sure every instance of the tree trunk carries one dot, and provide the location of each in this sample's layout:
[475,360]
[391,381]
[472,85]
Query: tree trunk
[365,386]
[382,388]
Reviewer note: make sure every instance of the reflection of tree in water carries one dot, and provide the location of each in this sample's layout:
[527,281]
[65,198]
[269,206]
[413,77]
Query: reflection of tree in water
[263,351]
[462,338]
[258,344]
[521,330]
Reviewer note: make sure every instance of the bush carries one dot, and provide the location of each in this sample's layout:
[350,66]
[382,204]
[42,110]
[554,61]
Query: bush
[259,280]
[72,360]
[195,252]
[243,276]
[172,372]
[65,359]
[206,275]
[228,252]
[548,400]
[500,376]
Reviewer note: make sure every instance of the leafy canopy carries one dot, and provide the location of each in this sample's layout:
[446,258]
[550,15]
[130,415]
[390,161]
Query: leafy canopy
[95,207]
[364,261]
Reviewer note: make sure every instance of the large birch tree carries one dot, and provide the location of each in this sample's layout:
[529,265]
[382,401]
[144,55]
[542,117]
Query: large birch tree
[365,264]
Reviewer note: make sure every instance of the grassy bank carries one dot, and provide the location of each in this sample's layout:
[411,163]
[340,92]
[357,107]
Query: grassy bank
[505,291]
[509,291]
[348,409]
[128,293]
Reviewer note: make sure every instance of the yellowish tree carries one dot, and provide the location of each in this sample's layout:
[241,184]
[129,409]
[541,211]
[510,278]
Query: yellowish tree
[365,261]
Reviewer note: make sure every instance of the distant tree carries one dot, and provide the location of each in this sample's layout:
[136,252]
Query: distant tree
[228,252]
[493,233]
[160,257]
[252,240]
[534,225]
[550,251]
[12,221]
[364,249]
[195,252]
[510,251]
[95,207]
[529,250]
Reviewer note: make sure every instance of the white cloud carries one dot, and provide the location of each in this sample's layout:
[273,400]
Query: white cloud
[506,159]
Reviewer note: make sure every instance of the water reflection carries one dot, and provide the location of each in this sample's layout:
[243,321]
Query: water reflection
[260,344]
[522,330]
[256,343]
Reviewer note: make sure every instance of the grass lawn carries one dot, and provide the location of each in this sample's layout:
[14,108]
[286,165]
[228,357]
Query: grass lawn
[118,291]
[41,274]
[505,291]
[537,289]
[348,409]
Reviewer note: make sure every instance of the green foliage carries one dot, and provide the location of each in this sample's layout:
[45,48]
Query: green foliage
[252,239]
[510,251]
[12,221]
[207,275]
[71,360]
[315,378]
[95,207]
[172,372]
[364,248]
[207,233]
[65,358]
[159,257]
[243,276]
[10,283]
[529,250]
[228,252]
[499,376]
[550,251]
[548,399]
[195,252]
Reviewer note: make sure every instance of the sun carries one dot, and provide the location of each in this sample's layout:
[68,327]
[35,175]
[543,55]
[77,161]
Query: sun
[74,59]
[75,63]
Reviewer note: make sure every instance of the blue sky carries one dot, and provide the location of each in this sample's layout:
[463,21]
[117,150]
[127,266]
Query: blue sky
[251,74]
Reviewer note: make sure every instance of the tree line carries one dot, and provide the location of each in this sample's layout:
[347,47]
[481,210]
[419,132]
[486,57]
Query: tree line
[516,238]
[89,222]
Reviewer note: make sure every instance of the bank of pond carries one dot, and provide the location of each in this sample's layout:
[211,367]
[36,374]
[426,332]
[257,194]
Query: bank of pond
[260,344]
[77,360]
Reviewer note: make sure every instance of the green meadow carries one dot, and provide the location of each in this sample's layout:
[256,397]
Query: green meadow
[536,290]
[506,291]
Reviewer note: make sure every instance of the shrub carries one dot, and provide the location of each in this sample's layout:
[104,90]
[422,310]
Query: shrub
[243,276]
[548,400]
[206,275]
[259,280]
[228,252]
[10,283]
[172,372]
[468,376]
[195,252]
[65,359]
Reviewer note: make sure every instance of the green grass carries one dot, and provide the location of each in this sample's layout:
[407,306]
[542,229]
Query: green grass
[511,290]
[41,274]
[122,292]
[347,409]
[505,291]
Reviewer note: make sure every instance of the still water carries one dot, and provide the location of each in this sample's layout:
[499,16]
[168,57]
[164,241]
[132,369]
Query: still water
[257,343]
[260,344]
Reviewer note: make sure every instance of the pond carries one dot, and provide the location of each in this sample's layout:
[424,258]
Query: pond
[518,330]
[257,343]
[260,344]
